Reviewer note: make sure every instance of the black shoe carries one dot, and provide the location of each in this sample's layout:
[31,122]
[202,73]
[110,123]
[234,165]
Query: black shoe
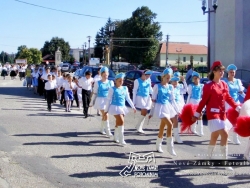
[85,116]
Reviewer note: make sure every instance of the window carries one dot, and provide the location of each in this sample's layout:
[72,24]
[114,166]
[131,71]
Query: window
[130,75]
[137,75]
[201,59]
[184,59]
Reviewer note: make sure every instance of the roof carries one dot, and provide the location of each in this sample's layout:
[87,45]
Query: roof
[49,58]
[184,48]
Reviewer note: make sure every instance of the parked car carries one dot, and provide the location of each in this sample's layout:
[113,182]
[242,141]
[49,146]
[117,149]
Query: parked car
[65,68]
[131,76]
[201,69]
[94,70]
[73,68]
[125,68]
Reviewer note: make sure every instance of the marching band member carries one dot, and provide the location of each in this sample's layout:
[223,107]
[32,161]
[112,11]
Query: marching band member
[235,89]
[49,87]
[194,97]
[179,91]
[141,98]
[99,98]
[215,94]
[68,87]
[96,79]
[164,107]
[116,106]
[184,84]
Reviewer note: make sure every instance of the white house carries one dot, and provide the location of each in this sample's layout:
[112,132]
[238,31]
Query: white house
[182,51]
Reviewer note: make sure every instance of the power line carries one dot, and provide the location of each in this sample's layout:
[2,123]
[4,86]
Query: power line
[88,15]
[132,46]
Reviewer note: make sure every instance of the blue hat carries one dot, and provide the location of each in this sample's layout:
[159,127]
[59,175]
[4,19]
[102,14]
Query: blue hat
[104,69]
[120,75]
[177,74]
[175,78]
[148,72]
[231,67]
[195,74]
[167,71]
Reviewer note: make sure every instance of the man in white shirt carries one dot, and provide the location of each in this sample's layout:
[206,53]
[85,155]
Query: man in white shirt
[86,84]
[44,78]
[50,89]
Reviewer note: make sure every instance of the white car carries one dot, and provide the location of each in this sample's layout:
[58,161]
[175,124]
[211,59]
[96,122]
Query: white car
[65,68]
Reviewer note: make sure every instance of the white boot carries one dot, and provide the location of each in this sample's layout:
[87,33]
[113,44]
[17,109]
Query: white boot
[200,128]
[121,135]
[102,128]
[193,128]
[116,135]
[246,154]
[170,146]
[210,151]
[224,152]
[159,144]
[80,105]
[236,139]
[140,124]
[107,129]
[177,136]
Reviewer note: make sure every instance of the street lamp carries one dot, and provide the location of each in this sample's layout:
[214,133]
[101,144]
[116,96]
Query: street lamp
[178,51]
[111,32]
[85,44]
[89,37]
[204,7]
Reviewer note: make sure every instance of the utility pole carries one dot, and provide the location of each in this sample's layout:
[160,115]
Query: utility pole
[167,51]
[89,48]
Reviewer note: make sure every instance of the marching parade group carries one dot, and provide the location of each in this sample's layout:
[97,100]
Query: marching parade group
[164,101]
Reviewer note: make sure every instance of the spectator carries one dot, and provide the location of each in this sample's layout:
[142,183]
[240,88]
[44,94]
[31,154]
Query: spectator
[189,75]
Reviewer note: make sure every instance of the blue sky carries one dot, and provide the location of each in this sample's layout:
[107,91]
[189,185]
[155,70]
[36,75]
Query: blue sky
[22,24]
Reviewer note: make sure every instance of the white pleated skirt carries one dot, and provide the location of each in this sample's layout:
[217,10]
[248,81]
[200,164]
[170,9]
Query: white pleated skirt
[100,103]
[143,102]
[194,101]
[164,111]
[115,110]
[218,124]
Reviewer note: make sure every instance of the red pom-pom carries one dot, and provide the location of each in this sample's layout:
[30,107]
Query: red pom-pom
[243,126]
[186,117]
[232,116]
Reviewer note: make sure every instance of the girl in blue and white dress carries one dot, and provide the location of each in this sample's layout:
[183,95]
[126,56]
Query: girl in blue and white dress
[194,97]
[99,98]
[235,90]
[165,108]
[184,84]
[115,105]
[35,75]
[179,90]
[68,87]
[141,98]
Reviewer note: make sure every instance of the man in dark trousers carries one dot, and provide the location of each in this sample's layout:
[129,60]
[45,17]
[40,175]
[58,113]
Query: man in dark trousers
[86,84]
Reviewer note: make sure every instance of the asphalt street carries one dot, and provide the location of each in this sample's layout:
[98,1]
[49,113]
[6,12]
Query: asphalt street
[60,149]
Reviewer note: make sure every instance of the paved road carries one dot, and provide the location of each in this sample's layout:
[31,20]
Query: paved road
[60,149]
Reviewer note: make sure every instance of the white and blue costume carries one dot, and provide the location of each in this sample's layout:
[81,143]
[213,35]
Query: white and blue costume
[179,91]
[35,78]
[116,99]
[101,91]
[141,91]
[165,105]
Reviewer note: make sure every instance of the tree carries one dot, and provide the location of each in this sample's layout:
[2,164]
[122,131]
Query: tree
[19,49]
[33,55]
[140,25]
[50,47]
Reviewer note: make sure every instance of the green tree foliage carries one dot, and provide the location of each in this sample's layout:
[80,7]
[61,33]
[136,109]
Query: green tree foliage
[33,55]
[5,57]
[19,49]
[140,25]
[50,47]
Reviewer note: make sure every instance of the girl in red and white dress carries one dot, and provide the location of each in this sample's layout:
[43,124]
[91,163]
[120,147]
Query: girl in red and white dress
[215,94]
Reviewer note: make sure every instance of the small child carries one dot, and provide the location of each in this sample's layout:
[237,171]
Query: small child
[68,87]
[50,89]
[55,82]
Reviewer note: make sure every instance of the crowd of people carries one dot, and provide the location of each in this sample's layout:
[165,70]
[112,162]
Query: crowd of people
[164,101]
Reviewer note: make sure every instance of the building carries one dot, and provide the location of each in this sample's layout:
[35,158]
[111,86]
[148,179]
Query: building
[179,53]
[79,53]
[230,33]
[50,58]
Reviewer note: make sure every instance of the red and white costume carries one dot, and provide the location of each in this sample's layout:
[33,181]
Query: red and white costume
[214,97]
